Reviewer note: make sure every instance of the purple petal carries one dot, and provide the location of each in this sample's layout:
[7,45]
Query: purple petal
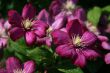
[107,58]
[90,54]
[80,14]
[60,37]
[29,67]
[14,18]
[65,51]
[74,1]
[12,64]
[30,38]
[105,45]
[40,28]
[44,16]
[88,38]
[80,60]
[55,8]
[75,27]
[28,11]
[60,15]
[3,42]
[58,24]
[16,33]
[102,38]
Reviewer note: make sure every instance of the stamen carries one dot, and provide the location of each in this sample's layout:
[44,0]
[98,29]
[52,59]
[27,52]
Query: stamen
[19,71]
[69,5]
[27,23]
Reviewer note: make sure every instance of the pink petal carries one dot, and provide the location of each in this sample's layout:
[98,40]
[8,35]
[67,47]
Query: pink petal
[16,33]
[105,45]
[39,28]
[29,67]
[60,37]
[3,42]
[80,60]
[14,18]
[65,51]
[7,25]
[28,12]
[12,64]
[88,38]
[57,24]
[30,38]
[90,54]
[102,38]
[107,58]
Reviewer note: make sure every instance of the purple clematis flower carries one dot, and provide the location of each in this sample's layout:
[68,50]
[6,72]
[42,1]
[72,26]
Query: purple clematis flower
[26,25]
[76,44]
[58,6]
[52,23]
[13,66]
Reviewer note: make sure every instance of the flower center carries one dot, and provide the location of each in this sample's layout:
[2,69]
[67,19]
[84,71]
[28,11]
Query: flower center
[19,71]
[49,29]
[77,41]
[27,24]
[69,5]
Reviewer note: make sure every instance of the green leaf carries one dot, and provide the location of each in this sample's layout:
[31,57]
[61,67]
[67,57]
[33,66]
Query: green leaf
[18,46]
[106,8]
[74,70]
[39,54]
[93,15]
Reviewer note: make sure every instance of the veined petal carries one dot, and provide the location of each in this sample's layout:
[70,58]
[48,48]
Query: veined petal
[88,38]
[107,58]
[30,38]
[54,8]
[90,54]
[80,14]
[65,51]
[29,67]
[44,16]
[12,64]
[39,28]
[75,27]
[80,60]
[14,18]
[57,24]
[16,33]
[28,11]
[60,37]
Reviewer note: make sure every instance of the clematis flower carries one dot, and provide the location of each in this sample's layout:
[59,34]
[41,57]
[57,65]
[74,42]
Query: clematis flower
[58,6]
[26,25]
[76,44]
[54,24]
[13,66]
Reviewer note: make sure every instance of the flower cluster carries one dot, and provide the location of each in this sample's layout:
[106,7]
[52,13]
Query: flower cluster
[65,26]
